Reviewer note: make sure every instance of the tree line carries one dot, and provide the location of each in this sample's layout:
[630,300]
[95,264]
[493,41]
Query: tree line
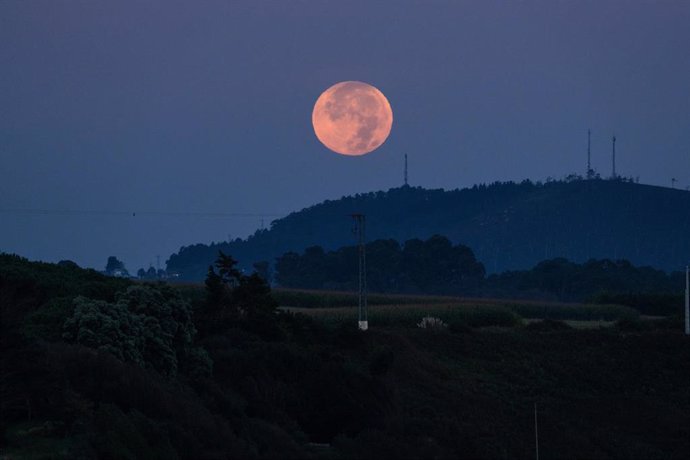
[436,266]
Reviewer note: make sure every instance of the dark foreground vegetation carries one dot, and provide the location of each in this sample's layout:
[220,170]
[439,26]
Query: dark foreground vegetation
[98,367]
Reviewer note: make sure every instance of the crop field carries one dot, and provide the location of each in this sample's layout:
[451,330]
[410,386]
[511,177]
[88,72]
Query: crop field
[408,310]
[330,299]
[400,310]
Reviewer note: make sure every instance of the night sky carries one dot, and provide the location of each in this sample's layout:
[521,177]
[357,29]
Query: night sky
[177,110]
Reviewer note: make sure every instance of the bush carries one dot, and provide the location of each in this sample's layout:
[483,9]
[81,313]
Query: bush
[432,324]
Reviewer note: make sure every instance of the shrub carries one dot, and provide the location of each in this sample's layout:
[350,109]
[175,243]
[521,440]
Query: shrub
[431,323]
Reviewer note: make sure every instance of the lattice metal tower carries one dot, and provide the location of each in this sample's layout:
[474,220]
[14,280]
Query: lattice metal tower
[360,223]
[589,154]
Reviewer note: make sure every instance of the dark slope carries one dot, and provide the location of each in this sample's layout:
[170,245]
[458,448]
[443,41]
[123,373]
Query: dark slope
[509,226]
[281,382]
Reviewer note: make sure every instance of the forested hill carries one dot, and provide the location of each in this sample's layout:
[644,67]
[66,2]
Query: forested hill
[507,225]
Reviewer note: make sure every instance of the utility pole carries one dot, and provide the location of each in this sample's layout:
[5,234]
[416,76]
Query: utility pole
[536,432]
[687,300]
[360,221]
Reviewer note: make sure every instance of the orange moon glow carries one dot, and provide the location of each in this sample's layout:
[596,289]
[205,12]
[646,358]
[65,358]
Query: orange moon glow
[352,118]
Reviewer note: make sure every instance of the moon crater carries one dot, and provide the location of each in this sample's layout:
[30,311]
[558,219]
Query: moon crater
[352,118]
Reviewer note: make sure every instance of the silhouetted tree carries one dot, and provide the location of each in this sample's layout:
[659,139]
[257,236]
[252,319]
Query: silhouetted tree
[232,296]
[68,264]
[216,290]
[227,268]
[114,265]
[288,270]
[253,296]
[263,269]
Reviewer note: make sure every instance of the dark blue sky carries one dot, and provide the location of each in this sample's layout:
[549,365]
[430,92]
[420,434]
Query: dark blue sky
[203,107]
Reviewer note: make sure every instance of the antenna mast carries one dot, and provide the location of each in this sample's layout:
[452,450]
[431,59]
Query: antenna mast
[613,176]
[360,220]
[406,170]
[589,154]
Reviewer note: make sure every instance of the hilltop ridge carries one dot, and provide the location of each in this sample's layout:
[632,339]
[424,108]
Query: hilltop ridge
[508,225]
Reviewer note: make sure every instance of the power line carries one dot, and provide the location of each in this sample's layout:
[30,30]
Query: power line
[84,212]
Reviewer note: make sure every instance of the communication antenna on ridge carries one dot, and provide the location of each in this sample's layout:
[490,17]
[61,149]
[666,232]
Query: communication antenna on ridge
[406,170]
[613,175]
[360,220]
[589,154]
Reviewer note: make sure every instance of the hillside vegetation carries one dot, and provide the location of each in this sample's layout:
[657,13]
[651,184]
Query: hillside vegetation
[509,226]
[97,367]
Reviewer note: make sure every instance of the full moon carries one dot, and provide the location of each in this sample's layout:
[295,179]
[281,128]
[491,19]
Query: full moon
[352,118]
